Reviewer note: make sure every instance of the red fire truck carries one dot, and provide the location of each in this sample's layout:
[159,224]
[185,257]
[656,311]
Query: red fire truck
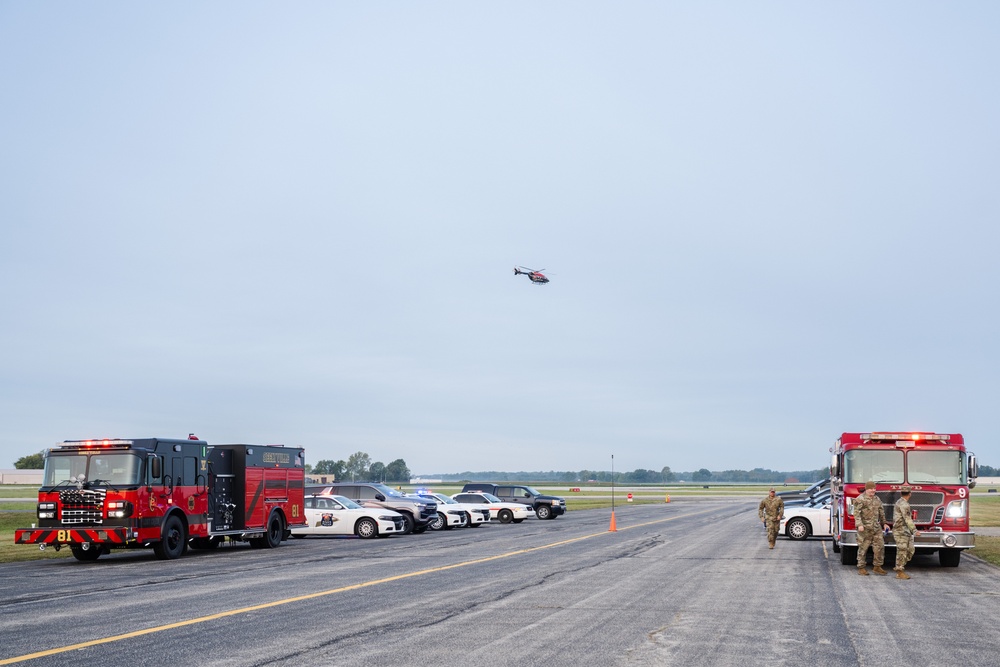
[935,465]
[98,495]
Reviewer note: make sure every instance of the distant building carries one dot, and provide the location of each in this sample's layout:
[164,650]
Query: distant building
[16,476]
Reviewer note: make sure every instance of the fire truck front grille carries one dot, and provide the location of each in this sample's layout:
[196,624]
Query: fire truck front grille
[82,506]
[924,502]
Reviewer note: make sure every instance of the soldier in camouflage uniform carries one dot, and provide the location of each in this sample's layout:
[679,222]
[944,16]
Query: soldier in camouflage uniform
[870,518]
[903,531]
[770,511]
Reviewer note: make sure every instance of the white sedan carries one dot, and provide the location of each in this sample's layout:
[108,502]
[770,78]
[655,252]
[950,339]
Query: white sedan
[501,511]
[802,521]
[337,515]
[475,514]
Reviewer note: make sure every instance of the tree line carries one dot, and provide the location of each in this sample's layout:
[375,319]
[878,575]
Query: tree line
[359,466]
[643,476]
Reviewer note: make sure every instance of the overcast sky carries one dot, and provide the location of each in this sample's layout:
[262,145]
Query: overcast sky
[765,223]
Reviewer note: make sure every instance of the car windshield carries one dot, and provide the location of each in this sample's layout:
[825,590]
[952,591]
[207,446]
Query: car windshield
[490,497]
[934,468]
[347,502]
[441,498]
[115,468]
[876,465]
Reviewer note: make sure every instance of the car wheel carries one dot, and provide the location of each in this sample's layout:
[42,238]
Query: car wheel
[543,512]
[505,516]
[465,520]
[407,524]
[438,522]
[797,529]
[366,528]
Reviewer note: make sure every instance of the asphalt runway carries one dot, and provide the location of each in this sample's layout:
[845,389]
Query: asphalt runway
[687,583]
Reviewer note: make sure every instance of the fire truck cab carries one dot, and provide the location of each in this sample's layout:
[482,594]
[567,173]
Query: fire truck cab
[167,494]
[935,465]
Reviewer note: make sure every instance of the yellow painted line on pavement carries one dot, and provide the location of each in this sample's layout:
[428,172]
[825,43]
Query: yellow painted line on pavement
[312,596]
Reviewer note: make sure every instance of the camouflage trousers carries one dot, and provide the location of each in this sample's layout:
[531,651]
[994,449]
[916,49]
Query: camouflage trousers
[873,539]
[904,548]
[772,530]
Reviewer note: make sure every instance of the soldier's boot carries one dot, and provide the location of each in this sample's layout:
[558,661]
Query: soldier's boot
[770,545]
[902,575]
[862,571]
[878,570]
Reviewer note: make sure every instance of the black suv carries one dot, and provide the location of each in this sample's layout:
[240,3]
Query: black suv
[417,512]
[546,507]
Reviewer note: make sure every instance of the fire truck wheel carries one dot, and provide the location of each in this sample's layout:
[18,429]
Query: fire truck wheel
[950,557]
[86,555]
[173,539]
[848,555]
[505,516]
[275,531]
[366,528]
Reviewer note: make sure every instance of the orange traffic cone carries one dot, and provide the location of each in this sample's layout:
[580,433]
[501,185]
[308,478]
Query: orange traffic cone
[612,528]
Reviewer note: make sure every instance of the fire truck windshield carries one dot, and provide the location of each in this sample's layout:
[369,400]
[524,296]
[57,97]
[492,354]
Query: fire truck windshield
[861,465]
[115,468]
[925,467]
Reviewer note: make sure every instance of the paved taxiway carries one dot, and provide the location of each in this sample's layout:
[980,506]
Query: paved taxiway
[687,583]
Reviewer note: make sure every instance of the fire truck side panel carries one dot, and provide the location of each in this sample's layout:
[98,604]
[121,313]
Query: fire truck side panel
[271,477]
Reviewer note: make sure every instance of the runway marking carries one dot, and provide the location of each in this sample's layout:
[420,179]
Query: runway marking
[312,596]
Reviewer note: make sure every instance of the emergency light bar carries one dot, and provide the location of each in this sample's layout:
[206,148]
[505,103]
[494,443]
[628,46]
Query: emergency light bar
[942,437]
[96,443]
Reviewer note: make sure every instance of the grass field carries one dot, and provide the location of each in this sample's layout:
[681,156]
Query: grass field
[985,509]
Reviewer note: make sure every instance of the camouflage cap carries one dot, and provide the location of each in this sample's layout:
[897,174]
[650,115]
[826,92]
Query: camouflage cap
[905,488]
[869,485]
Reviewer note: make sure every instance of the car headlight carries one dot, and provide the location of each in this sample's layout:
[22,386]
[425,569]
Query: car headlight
[956,509]
[387,518]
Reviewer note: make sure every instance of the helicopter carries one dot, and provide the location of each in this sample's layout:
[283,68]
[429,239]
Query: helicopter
[536,277]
